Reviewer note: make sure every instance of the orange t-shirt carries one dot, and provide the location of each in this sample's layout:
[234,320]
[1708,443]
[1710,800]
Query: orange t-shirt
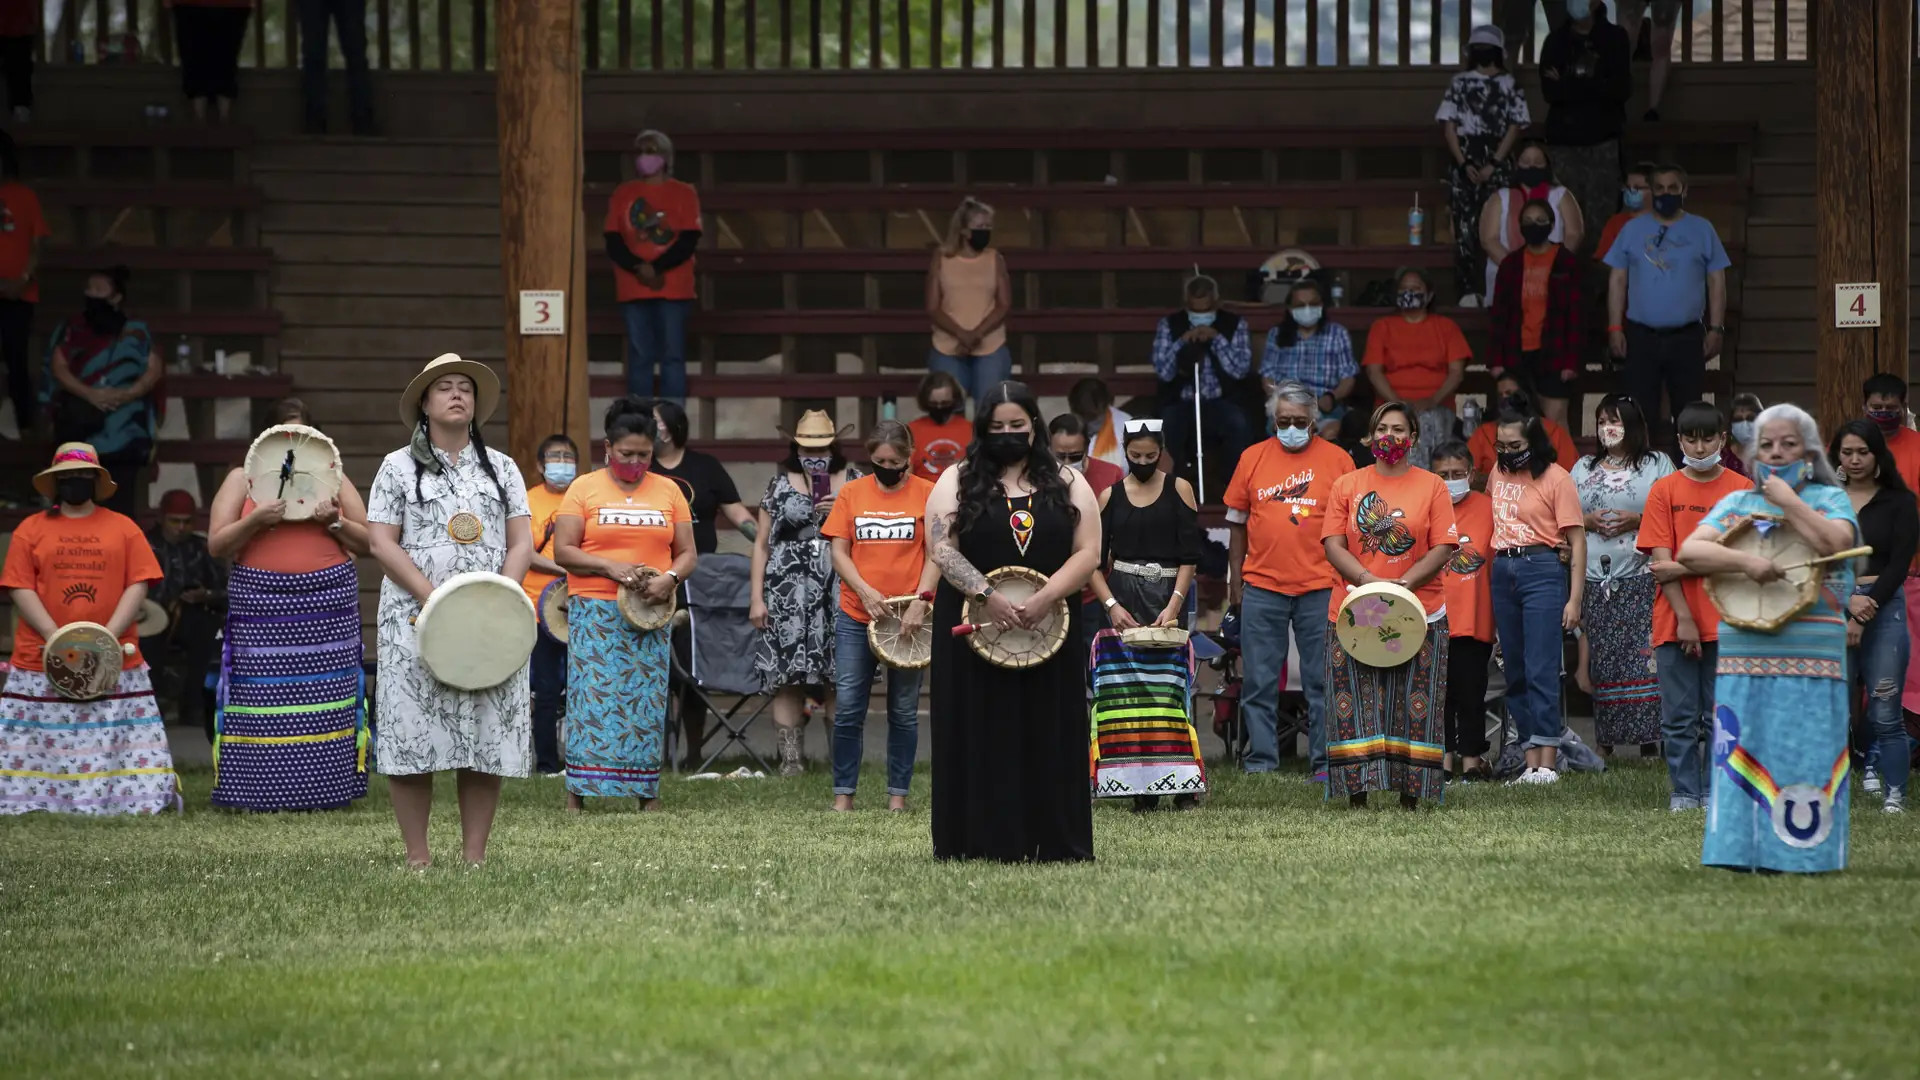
[936,446]
[1676,505]
[648,217]
[636,528]
[1468,578]
[886,532]
[79,567]
[1480,445]
[1390,523]
[21,223]
[1280,496]
[1611,232]
[1533,296]
[1529,510]
[291,547]
[545,504]
[1415,355]
[1905,446]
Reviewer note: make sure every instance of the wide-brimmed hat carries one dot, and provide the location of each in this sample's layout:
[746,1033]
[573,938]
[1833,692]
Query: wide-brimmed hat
[815,431]
[74,457]
[486,387]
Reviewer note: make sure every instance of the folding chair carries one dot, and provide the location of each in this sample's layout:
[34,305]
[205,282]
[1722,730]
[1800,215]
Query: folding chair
[713,656]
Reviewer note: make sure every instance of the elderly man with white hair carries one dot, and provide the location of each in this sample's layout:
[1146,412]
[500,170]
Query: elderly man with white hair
[1780,757]
[1280,579]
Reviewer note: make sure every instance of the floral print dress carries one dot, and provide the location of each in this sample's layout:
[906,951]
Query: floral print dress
[800,590]
[423,725]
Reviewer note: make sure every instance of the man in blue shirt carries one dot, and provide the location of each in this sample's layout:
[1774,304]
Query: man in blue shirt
[1668,270]
[1217,342]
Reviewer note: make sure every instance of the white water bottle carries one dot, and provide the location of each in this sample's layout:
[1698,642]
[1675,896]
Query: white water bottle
[1416,221]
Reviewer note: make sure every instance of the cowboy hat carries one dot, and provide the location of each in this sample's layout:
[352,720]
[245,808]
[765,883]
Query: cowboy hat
[486,387]
[73,457]
[815,431]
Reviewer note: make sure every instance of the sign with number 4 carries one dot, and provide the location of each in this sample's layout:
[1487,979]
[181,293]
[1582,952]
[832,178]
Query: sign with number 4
[1856,305]
[544,311]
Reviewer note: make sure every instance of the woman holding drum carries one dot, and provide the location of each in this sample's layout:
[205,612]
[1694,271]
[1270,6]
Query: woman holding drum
[1780,760]
[1389,533]
[291,732]
[444,506]
[878,533]
[80,732]
[620,528]
[1010,744]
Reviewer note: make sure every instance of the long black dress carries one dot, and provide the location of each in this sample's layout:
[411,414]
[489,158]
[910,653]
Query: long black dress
[1010,766]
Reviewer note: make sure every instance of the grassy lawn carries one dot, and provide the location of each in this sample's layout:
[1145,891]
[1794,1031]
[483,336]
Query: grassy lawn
[1517,933]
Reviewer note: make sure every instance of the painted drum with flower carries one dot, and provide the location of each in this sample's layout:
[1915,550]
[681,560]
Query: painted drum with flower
[1381,625]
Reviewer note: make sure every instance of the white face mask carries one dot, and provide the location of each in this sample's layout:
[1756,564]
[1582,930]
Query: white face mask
[1307,316]
[1457,489]
[1612,435]
[1700,464]
[1743,432]
[1293,438]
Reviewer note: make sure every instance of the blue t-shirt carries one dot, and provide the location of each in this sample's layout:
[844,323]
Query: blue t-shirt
[1667,268]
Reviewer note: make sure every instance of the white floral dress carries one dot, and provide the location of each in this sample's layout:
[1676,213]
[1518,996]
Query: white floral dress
[423,725]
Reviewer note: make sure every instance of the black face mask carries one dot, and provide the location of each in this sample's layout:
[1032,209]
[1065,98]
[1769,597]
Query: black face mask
[1143,470]
[1514,461]
[1669,204]
[978,239]
[888,477]
[1483,55]
[102,316]
[1530,175]
[1535,232]
[73,490]
[940,414]
[1006,447]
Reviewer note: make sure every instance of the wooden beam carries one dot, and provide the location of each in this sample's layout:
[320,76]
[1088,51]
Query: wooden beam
[542,236]
[1862,102]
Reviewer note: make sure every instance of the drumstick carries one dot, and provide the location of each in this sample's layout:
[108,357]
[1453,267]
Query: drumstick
[966,628]
[1838,556]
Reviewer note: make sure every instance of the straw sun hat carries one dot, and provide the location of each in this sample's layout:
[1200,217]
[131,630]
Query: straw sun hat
[75,457]
[486,386]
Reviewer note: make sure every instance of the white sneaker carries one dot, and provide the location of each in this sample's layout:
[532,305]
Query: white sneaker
[1536,776]
[1896,803]
[1679,804]
[1471,300]
[1870,780]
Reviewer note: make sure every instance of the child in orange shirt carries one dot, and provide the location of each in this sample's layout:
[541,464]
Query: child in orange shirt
[1469,614]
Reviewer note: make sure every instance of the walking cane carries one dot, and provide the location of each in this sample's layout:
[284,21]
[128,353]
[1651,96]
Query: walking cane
[1199,439]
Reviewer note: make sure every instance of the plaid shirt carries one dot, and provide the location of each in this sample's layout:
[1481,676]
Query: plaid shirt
[186,565]
[1319,363]
[1233,356]
[1562,335]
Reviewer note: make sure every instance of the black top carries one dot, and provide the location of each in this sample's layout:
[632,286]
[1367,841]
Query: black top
[708,487]
[1889,522]
[1165,532]
[1587,103]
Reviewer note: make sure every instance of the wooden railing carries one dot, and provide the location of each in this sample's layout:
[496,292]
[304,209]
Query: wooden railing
[890,35]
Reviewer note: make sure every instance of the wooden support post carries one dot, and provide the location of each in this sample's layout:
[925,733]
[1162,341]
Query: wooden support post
[542,232]
[1862,102]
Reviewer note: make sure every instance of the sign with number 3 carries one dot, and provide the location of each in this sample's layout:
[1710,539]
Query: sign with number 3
[1856,305]
[544,311]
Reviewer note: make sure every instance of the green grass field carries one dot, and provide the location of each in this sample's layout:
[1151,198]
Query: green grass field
[1516,933]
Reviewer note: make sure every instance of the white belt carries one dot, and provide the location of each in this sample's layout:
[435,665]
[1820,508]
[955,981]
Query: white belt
[1151,571]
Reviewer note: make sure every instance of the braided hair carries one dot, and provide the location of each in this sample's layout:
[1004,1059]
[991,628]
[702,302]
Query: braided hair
[480,448]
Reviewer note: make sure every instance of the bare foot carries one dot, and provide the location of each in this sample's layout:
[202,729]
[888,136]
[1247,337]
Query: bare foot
[897,803]
[648,806]
[574,803]
[419,864]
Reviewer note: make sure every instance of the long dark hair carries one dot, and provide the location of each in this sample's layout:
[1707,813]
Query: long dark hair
[1869,432]
[1634,444]
[1286,333]
[1539,444]
[980,477]
[479,449]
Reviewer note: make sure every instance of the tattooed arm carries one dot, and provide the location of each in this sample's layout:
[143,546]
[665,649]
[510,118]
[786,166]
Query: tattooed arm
[942,506]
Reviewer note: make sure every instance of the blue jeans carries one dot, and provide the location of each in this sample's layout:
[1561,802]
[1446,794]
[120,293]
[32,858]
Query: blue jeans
[657,339]
[977,374]
[1264,619]
[548,673]
[1529,595]
[853,670]
[1879,664]
[1686,715]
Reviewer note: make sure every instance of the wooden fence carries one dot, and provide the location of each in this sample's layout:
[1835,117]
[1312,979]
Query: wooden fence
[790,35]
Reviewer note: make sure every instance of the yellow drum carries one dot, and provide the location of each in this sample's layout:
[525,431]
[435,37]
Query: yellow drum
[1381,625]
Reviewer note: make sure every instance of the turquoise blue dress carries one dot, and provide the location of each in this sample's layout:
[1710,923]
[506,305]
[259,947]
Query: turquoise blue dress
[1780,763]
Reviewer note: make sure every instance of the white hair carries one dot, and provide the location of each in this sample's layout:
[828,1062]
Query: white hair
[1293,393]
[660,139]
[1809,434]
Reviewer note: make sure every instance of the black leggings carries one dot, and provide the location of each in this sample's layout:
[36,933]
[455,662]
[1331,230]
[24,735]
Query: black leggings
[210,39]
[1466,722]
